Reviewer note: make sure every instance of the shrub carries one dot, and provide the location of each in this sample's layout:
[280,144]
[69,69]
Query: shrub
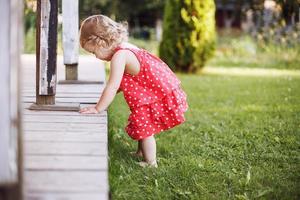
[188,34]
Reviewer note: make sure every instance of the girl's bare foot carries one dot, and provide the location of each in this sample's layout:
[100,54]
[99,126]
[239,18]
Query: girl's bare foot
[151,164]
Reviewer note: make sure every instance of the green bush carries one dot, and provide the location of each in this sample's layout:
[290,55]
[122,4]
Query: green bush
[188,34]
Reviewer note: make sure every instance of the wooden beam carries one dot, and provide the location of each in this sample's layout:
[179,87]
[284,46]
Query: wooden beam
[11,170]
[46,45]
[70,37]
[57,107]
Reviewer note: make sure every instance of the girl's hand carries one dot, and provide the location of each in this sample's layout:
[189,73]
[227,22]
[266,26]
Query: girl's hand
[89,110]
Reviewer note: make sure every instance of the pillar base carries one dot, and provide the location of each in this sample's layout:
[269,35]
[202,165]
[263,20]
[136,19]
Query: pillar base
[71,71]
[56,107]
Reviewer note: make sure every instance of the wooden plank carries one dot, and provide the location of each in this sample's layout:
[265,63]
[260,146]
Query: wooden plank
[74,88]
[62,113]
[84,136]
[41,126]
[84,82]
[58,162]
[71,90]
[60,119]
[65,196]
[84,93]
[66,181]
[56,107]
[65,148]
[67,95]
[65,100]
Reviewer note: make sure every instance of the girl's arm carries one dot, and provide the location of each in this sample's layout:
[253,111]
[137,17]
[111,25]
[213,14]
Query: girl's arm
[117,67]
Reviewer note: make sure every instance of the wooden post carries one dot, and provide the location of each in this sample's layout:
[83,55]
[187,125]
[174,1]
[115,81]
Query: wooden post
[70,37]
[46,45]
[10,133]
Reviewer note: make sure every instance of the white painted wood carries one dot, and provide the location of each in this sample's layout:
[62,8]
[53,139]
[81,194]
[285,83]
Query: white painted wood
[65,100]
[87,136]
[40,126]
[63,119]
[65,148]
[75,88]
[67,95]
[58,162]
[70,28]
[61,113]
[66,181]
[66,196]
[10,43]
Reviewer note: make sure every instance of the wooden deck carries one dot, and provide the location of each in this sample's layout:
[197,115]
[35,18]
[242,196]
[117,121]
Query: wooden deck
[65,153]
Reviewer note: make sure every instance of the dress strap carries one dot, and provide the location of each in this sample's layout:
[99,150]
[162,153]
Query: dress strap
[128,48]
[133,50]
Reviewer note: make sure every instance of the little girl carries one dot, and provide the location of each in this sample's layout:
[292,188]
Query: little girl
[151,90]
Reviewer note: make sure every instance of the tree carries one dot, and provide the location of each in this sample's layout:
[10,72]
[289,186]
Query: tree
[188,34]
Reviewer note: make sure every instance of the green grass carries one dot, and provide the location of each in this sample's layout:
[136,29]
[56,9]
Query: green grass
[241,140]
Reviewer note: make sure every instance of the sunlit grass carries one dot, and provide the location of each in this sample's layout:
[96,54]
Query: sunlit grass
[238,71]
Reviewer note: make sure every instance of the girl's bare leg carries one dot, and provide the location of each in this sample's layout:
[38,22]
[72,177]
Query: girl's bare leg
[149,149]
[139,150]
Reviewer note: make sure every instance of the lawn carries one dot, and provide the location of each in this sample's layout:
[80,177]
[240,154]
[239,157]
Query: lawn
[241,140]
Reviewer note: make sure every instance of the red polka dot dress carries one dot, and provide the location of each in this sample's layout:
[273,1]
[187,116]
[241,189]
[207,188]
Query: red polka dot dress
[154,96]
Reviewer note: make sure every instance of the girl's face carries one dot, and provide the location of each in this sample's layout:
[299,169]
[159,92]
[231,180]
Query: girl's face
[100,53]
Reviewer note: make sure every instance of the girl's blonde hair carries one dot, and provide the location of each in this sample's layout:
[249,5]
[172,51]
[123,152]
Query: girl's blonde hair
[102,31]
